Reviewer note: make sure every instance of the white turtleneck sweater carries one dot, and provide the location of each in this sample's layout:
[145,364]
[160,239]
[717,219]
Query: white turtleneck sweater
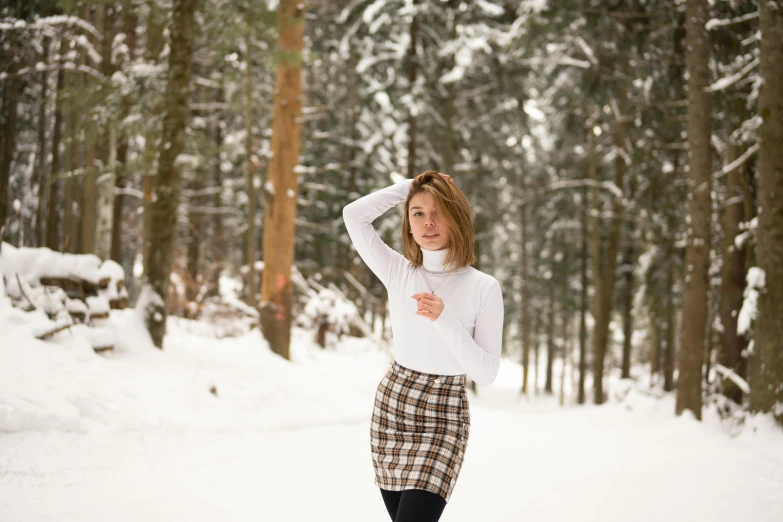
[466,337]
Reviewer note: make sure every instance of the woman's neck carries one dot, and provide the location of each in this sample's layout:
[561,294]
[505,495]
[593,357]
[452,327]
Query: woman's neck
[433,260]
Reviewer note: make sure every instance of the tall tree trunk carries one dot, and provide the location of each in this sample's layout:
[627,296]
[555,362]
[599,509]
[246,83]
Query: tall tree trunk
[90,195]
[565,352]
[105,203]
[218,241]
[627,307]
[280,209]
[121,172]
[106,143]
[52,234]
[597,269]
[164,208]
[536,365]
[74,203]
[130,19]
[581,398]
[42,124]
[766,394]
[10,100]
[732,280]
[71,164]
[89,192]
[526,291]
[148,190]
[655,345]
[670,325]
[697,247]
[412,65]
[448,138]
[195,242]
[604,277]
[155,26]
[565,346]
[250,166]
[550,338]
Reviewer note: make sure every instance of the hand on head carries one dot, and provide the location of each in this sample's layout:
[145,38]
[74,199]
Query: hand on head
[447,177]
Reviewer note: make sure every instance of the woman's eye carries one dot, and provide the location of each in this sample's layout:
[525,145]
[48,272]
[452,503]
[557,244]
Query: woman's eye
[417,214]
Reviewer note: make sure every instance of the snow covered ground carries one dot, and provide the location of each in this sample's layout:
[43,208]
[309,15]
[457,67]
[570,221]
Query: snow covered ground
[136,435]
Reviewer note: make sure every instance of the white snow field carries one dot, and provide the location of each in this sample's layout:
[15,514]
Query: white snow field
[136,435]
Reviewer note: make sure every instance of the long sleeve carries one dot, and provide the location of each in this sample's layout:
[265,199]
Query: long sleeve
[359,215]
[479,355]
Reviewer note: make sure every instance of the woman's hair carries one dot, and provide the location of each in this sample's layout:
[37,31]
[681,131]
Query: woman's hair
[454,208]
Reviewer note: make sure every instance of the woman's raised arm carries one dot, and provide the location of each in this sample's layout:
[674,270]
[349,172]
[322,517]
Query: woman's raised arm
[359,215]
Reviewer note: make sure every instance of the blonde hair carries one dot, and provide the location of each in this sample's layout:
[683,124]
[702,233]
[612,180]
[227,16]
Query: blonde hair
[455,209]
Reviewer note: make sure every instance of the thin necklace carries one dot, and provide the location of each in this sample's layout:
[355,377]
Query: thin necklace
[432,291]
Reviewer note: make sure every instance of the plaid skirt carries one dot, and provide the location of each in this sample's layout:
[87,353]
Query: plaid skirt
[419,430]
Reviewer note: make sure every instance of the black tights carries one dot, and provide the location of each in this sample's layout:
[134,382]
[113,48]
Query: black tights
[413,505]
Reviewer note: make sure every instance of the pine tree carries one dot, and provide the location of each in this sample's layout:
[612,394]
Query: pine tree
[282,186]
[168,176]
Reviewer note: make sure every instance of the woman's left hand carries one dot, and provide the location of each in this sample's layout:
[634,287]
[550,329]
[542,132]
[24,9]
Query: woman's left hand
[430,306]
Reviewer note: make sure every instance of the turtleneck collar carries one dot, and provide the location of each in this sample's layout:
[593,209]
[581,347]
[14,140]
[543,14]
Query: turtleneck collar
[433,260]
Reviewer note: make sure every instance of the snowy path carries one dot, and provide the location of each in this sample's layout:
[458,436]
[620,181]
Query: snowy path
[525,461]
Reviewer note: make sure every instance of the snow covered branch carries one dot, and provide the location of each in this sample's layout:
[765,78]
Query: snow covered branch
[737,162]
[731,375]
[715,23]
[728,81]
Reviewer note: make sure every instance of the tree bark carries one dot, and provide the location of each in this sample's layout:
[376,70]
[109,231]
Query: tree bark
[697,240]
[670,326]
[52,233]
[130,19]
[604,278]
[412,66]
[106,143]
[550,338]
[10,101]
[218,241]
[164,208]
[195,242]
[250,166]
[581,396]
[155,26]
[71,164]
[627,307]
[42,124]
[766,394]
[655,345]
[598,277]
[732,280]
[89,191]
[536,366]
[105,199]
[280,209]
[526,291]
[90,194]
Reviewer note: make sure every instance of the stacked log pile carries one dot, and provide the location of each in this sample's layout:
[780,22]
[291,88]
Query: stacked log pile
[69,288]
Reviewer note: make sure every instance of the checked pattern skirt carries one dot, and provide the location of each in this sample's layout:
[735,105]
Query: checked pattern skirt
[419,430]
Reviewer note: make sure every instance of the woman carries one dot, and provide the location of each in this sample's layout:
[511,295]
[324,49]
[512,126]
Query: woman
[447,322]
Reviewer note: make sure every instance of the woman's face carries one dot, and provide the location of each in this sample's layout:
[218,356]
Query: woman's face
[429,229]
